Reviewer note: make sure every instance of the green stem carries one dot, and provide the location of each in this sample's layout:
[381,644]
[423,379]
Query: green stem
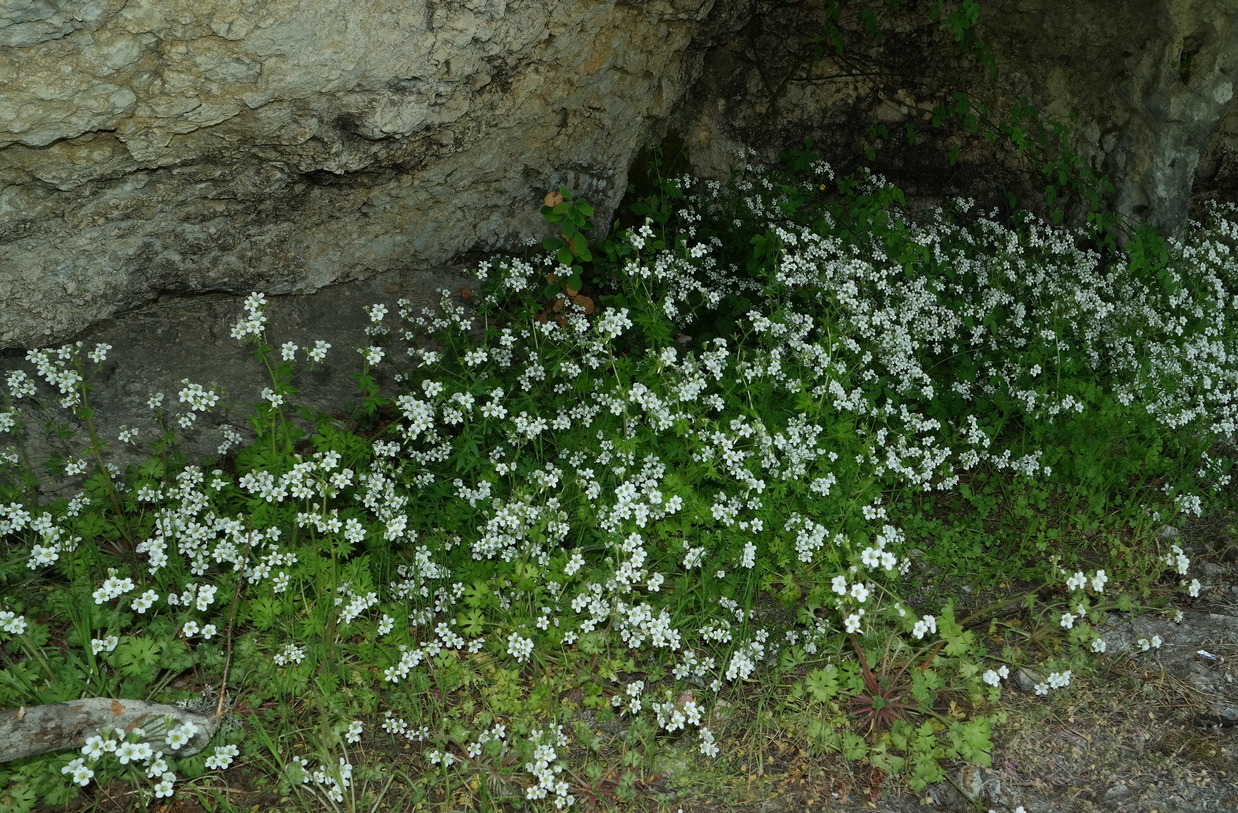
[96,450]
[38,656]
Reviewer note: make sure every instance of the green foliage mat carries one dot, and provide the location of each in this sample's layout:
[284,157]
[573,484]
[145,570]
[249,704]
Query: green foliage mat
[778,457]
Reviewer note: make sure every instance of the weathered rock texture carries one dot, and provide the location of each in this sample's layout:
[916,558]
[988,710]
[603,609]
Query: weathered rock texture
[152,148]
[1148,83]
[27,732]
[1146,88]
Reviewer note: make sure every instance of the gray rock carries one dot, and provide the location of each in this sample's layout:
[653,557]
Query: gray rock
[1144,88]
[187,147]
[156,349]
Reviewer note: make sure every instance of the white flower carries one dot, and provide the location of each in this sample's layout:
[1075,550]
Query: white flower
[180,735]
[112,588]
[163,788]
[107,644]
[198,398]
[926,625]
[852,623]
[144,602]
[12,623]
[79,772]
[222,758]
[95,746]
[1068,620]
[157,766]
[128,751]
[1099,645]
[518,647]
[319,351]
[708,747]
[1098,581]
[1077,581]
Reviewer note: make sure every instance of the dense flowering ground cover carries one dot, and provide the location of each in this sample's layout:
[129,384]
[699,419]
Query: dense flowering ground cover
[777,443]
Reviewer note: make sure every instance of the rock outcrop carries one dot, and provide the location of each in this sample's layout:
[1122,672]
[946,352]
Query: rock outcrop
[187,146]
[1146,91]
[173,148]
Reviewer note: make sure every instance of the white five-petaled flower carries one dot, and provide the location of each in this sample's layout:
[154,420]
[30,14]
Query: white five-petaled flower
[12,623]
[926,625]
[79,772]
[163,788]
[181,735]
[222,758]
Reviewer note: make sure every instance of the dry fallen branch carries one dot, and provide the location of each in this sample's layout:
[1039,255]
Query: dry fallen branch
[26,732]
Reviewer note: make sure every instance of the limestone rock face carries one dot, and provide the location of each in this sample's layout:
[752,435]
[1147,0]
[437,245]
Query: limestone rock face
[1150,85]
[184,146]
[1146,88]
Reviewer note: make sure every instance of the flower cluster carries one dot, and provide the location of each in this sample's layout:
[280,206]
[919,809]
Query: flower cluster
[719,472]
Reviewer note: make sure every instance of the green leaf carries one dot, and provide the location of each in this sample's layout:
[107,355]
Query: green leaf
[135,657]
[886,762]
[20,797]
[853,746]
[152,469]
[822,684]
[823,735]
[262,611]
[592,643]
[472,623]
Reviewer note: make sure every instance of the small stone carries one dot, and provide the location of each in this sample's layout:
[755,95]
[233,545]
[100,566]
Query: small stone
[1026,679]
[971,783]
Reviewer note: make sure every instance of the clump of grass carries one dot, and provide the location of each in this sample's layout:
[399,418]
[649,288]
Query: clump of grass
[754,446]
